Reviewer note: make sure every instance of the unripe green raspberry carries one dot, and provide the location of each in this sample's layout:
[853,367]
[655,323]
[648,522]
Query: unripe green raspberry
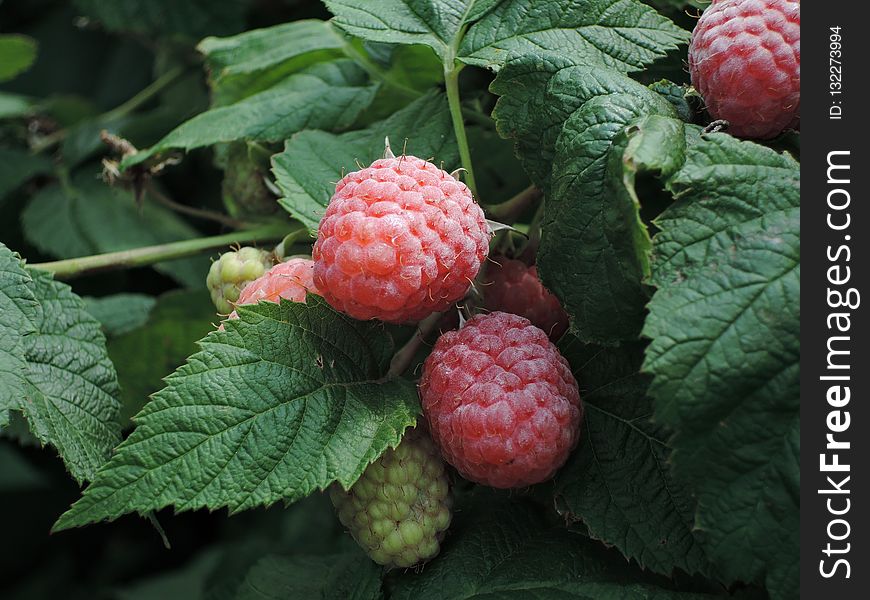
[400,507]
[229,275]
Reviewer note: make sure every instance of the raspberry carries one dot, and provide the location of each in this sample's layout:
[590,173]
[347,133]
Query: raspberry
[501,401]
[228,275]
[290,280]
[400,507]
[745,60]
[512,286]
[400,240]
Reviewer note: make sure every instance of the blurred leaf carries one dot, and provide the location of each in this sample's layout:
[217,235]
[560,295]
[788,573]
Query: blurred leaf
[313,161]
[287,400]
[143,357]
[17,53]
[19,166]
[192,19]
[120,313]
[17,474]
[502,549]
[14,105]
[308,527]
[327,95]
[54,367]
[339,577]
[186,582]
[253,61]
[88,217]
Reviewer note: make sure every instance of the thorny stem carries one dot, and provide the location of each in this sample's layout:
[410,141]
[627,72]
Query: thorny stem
[149,255]
[122,110]
[451,81]
[402,359]
[199,213]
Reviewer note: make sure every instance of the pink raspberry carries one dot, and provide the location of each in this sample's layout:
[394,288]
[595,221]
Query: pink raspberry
[502,404]
[512,286]
[400,240]
[290,280]
[745,61]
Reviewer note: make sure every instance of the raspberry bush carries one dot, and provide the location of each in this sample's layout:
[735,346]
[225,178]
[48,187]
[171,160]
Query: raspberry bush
[521,348]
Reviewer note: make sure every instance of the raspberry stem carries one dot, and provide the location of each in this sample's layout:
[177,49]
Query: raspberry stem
[402,359]
[451,81]
[149,255]
[119,111]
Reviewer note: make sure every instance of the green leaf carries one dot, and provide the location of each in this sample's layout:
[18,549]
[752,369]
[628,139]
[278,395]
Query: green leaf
[313,161]
[144,356]
[327,96]
[88,217]
[434,23]
[120,313]
[619,482]
[623,35]
[54,367]
[503,550]
[19,313]
[342,577]
[14,105]
[725,352]
[17,167]
[17,53]
[192,19]
[677,95]
[253,61]
[71,400]
[285,401]
[593,247]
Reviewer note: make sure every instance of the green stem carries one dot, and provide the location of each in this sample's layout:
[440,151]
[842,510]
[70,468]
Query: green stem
[122,110]
[145,94]
[149,255]
[402,359]
[451,81]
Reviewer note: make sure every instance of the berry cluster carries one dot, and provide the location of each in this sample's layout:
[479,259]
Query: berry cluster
[402,240]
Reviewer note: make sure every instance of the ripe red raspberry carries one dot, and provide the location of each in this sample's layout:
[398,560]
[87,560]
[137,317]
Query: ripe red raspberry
[400,240]
[501,401]
[290,280]
[512,286]
[745,61]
